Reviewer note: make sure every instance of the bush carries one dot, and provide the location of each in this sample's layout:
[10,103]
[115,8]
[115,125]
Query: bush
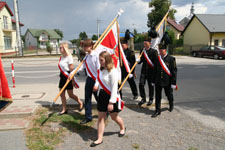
[49,48]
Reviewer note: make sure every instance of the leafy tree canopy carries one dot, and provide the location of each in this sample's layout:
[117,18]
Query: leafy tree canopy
[159,9]
[94,37]
[59,32]
[83,35]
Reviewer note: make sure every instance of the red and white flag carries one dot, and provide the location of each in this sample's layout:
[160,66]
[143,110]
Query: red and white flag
[111,44]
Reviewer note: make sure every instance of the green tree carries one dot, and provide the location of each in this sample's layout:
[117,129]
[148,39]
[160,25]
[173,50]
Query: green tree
[83,35]
[59,32]
[159,9]
[49,48]
[94,37]
[135,32]
[140,37]
[76,41]
[23,38]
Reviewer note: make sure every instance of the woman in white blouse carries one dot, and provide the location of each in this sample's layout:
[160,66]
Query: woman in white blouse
[107,86]
[66,66]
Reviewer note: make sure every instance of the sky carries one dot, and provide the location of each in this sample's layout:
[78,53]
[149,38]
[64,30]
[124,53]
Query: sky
[75,16]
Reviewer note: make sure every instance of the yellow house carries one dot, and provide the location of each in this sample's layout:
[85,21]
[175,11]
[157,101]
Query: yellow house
[176,28]
[204,29]
[7,30]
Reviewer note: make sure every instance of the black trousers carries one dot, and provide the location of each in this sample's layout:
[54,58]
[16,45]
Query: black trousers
[158,96]
[143,78]
[88,95]
[132,84]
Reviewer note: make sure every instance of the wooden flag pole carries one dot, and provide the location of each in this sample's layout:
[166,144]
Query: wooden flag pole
[94,47]
[139,57]
[157,28]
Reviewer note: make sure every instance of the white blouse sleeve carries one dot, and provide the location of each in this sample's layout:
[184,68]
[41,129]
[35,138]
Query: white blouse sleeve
[113,77]
[70,60]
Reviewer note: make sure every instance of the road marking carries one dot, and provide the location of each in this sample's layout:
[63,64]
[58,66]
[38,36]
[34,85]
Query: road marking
[180,67]
[222,66]
[201,67]
[26,72]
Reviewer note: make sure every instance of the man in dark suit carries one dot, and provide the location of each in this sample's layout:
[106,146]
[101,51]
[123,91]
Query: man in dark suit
[130,56]
[164,79]
[147,72]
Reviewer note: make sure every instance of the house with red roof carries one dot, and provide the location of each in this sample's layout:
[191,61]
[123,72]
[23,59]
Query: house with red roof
[7,30]
[175,27]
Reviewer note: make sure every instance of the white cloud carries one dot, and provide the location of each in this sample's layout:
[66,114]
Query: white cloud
[184,11]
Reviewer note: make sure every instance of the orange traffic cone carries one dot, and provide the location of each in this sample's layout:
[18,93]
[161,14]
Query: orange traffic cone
[5,96]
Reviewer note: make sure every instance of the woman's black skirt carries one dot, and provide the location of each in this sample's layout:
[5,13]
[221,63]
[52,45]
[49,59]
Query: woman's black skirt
[103,101]
[62,82]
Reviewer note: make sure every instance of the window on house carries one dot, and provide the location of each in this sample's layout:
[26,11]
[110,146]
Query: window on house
[216,42]
[8,42]
[168,27]
[223,42]
[5,23]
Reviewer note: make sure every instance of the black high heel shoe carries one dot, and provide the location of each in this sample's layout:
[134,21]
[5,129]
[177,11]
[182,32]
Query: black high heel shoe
[95,144]
[121,135]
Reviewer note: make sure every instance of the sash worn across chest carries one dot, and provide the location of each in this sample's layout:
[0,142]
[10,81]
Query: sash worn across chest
[89,70]
[162,63]
[108,90]
[148,59]
[66,74]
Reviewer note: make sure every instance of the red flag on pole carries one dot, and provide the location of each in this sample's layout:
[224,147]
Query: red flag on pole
[111,44]
[5,96]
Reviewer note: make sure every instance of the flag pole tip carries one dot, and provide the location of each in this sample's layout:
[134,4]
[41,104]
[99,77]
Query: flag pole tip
[121,11]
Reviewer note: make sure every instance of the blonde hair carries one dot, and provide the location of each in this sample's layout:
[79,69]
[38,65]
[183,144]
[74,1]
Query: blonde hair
[65,46]
[108,60]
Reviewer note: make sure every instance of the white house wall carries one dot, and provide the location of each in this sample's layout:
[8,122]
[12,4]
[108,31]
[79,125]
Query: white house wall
[5,12]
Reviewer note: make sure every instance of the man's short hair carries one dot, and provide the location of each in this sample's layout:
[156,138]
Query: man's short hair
[162,46]
[124,42]
[88,42]
[148,39]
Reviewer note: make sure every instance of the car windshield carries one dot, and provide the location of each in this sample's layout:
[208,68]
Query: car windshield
[220,48]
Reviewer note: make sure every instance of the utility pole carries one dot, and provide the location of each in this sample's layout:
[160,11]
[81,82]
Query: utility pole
[19,44]
[98,21]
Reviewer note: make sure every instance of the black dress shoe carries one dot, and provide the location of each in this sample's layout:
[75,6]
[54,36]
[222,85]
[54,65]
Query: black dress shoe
[149,102]
[85,121]
[142,102]
[121,135]
[171,108]
[135,97]
[65,112]
[95,144]
[156,113]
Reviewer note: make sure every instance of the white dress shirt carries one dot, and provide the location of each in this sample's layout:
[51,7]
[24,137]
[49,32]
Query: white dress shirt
[92,61]
[111,79]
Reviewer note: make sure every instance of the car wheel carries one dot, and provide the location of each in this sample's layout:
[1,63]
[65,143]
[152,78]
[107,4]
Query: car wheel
[215,56]
[194,54]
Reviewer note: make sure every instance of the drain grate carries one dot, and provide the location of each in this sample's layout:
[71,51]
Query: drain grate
[25,96]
